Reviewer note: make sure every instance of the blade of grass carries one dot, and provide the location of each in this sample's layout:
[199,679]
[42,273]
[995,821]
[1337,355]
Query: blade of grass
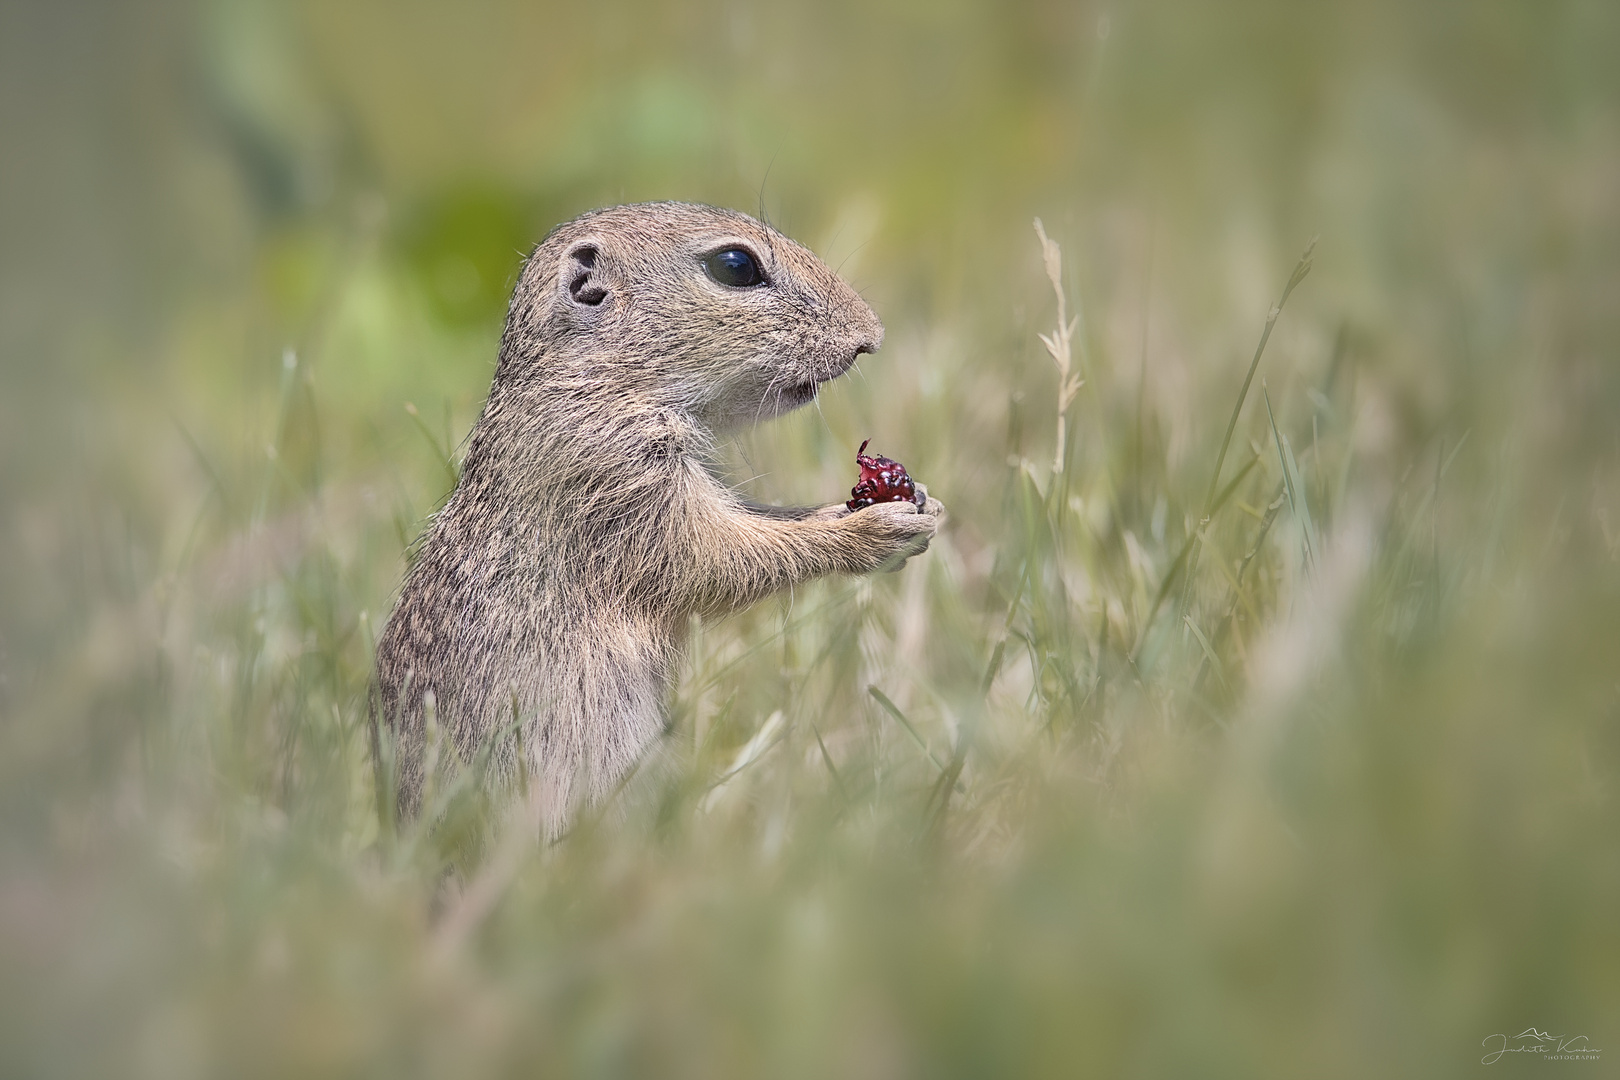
[941,794]
[771,732]
[1301,268]
[215,482]
[992,668]
[826,757]
[894,710]
[1170,577]
[444,453]
[799,619]
[1239,593]
[1292,484]
[1215,664]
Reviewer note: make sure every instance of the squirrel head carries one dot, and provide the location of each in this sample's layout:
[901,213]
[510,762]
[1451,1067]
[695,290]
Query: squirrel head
[684,307]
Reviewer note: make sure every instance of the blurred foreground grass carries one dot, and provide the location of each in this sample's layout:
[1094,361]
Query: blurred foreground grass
[1322,785]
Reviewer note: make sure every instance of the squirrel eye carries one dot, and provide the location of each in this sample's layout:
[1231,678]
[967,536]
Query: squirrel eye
[734,267]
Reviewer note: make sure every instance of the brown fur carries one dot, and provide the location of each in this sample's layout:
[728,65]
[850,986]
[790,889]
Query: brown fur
[552,593]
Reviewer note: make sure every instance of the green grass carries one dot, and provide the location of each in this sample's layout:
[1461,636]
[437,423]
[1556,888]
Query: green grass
[1220,733]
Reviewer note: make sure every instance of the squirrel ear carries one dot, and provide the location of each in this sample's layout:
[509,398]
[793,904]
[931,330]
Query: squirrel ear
[579,276]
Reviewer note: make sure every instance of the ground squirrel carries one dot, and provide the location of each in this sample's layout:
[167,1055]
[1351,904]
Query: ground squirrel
[550,597]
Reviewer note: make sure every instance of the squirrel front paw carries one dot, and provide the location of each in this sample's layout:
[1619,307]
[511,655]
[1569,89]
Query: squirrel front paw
[931,506]
[887,534]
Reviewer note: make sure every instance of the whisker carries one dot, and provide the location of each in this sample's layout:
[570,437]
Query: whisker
[816,400]
[766,396]
[850,256]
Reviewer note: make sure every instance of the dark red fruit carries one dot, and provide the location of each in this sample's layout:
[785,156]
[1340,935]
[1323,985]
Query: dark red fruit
[882,480]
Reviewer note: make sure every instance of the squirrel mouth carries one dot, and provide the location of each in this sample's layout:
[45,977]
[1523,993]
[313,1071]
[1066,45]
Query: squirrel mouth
[801,392]
[806,390]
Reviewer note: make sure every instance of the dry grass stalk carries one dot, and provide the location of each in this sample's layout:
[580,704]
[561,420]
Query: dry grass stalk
[1059,343]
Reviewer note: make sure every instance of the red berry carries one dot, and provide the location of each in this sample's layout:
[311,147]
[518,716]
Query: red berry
[882,480]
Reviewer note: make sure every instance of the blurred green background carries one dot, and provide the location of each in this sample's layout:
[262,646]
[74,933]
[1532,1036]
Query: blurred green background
[1322,786]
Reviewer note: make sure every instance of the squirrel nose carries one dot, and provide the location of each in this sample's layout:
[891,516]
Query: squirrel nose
[864,328]
[869,338]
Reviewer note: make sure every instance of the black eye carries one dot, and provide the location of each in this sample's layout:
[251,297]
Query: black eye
[734,267]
